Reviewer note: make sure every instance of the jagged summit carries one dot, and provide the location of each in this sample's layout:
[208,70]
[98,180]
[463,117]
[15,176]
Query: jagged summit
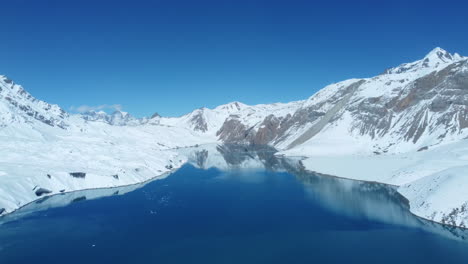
[117,118]
[155,115]
[439,54]
[435,59]
[232,106]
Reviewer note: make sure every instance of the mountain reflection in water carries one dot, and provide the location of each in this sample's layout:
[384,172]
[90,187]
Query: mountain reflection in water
[365,201]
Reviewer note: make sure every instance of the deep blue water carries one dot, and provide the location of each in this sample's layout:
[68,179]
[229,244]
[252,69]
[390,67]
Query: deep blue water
[234,216]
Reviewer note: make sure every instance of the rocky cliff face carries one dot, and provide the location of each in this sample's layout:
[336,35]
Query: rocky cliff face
[434,103]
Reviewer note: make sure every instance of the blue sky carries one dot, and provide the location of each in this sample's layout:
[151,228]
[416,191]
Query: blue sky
[173,56]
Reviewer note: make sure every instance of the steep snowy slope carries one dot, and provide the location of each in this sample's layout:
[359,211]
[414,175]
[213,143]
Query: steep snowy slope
[18,106]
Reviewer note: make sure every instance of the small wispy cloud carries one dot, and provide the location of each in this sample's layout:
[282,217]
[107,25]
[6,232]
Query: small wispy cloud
[88,108]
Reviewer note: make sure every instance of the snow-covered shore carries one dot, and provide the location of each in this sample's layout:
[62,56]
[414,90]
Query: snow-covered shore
[435,181]
[89,155]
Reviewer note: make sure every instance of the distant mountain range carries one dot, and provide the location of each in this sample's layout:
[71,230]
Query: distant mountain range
[405,108]
[411,108]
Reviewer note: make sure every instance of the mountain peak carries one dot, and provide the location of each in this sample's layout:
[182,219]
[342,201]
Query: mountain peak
[155,115]
[435,59]
[120,113]
[437,50]
[232,106]
[439,54]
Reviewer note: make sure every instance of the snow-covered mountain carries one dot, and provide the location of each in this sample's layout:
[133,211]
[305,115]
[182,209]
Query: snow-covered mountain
[409,107]
[412,106]
[18,106]
[411,120]
[211,121]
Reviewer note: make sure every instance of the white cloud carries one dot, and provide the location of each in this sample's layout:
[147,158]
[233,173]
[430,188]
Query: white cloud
[87,108]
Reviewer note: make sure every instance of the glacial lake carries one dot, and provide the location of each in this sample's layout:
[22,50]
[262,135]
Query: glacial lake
[230,204]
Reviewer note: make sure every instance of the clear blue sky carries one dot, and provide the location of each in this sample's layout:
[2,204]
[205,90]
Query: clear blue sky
[172,56]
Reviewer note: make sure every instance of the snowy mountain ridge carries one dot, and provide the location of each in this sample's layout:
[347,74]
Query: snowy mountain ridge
[117,118]
[17,105]
[403,109]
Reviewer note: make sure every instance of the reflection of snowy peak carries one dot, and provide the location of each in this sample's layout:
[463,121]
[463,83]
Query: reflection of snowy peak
[18,106]
[230,156]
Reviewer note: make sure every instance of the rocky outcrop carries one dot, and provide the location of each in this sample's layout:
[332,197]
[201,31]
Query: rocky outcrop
[80,175]
[41,191]
[233,131]
[199,122]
